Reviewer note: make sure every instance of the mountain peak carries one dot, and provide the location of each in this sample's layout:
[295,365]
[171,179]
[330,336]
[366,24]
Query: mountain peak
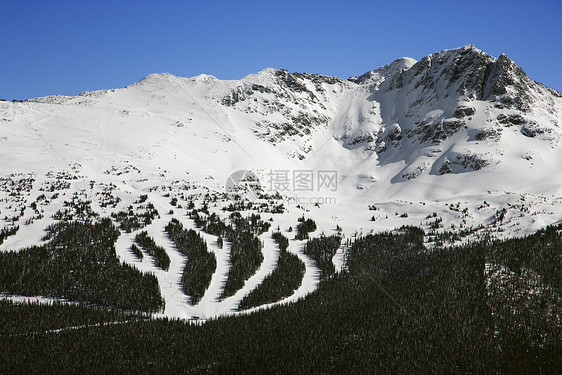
[466,49]
[158,79]
[378,75]
[204,78]
[473,73]
[401,63]
[154,79]
[266,73]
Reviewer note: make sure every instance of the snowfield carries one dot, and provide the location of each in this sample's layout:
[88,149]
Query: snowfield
[460,142]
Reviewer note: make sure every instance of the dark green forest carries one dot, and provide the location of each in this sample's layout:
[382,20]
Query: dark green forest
[24,319]
[322,250]
[245,246]
[201,264]
[489,307]
[158,253]
[79,263]
[282,282]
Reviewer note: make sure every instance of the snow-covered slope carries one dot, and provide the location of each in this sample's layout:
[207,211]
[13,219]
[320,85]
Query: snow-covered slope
[459,133]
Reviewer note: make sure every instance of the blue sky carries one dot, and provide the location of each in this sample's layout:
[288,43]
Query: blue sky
[66,47]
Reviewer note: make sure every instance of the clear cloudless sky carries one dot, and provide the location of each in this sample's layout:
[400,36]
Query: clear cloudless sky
[66,47]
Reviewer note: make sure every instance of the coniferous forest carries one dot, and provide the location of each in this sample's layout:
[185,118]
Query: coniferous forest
[489,307]
[322,250]
[200,265]
[79,263]
[158,253]
[282,282]
[245,246]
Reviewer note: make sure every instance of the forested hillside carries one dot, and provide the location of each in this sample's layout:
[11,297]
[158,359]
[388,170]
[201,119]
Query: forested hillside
[488,307]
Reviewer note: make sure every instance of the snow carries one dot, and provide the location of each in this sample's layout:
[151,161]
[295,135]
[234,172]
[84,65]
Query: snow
[167,131]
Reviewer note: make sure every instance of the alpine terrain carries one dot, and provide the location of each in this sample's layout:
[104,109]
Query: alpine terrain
[198,198]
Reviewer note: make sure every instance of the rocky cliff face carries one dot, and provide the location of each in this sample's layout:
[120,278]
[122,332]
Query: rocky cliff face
[403,103]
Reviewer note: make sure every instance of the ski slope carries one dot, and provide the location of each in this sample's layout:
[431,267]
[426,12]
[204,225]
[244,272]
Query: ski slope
[408,143]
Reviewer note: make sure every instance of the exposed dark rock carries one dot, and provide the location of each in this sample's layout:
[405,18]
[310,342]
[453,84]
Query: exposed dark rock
[461,112]
[511,119]
[445,167]
[484,134]
[532,130]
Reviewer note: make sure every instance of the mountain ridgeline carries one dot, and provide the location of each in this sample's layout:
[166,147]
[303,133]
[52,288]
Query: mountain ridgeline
[454,111]
[407,103]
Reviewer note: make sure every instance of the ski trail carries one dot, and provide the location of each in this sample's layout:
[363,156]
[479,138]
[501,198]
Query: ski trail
[176,301]
[37,299]
[338,260]
[311,277]
[209,305]
[270,253]
[309,283]
[72,328]
[170,284]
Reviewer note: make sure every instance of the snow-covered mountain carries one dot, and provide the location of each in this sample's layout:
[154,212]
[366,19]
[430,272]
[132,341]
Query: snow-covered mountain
[462,97]
[459,133]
